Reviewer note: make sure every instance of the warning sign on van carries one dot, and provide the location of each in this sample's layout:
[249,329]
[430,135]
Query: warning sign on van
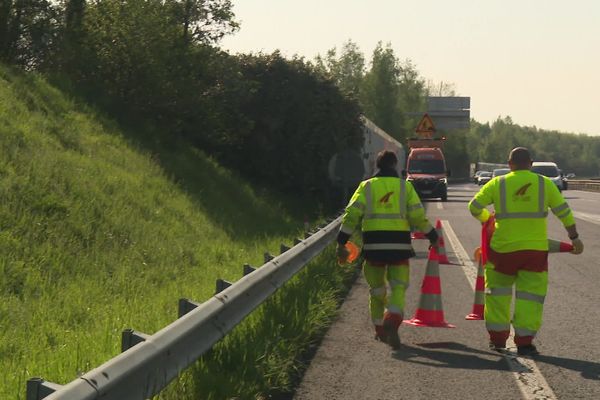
[425,128]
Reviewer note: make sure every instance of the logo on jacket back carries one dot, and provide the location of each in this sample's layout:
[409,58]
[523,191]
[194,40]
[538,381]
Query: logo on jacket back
[385,200]
[521,193]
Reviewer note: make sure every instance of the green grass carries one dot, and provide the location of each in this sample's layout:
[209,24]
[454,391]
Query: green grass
[98,235]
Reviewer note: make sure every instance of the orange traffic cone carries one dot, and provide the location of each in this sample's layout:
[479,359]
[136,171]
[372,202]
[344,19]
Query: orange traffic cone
[443,257]
[479,302]
[556,246]
[430,311]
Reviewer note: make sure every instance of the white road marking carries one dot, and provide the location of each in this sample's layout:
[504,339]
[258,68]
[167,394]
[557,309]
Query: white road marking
[593,218]
[440,206]
[531,382]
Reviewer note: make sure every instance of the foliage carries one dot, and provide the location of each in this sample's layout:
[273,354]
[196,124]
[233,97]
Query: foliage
[573,153]
[388,91]
[265,355]
[579,154]
[97,236]
[295,121]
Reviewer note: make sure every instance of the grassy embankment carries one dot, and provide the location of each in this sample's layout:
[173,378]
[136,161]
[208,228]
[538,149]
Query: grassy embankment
[98,235]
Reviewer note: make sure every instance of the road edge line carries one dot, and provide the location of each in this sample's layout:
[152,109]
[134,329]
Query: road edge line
[531,382]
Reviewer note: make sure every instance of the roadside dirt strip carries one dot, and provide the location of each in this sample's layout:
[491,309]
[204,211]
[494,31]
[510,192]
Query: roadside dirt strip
[436,363]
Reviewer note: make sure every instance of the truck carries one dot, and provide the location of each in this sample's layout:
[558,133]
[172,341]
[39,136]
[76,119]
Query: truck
[376,140]
[426,168]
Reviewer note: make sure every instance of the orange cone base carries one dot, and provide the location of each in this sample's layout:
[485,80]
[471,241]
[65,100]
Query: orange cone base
[477,314]
[474,317]
[418,322]
[432,318]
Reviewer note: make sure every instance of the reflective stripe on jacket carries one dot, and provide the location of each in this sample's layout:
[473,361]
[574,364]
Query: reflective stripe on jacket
[385,207]
[521,200]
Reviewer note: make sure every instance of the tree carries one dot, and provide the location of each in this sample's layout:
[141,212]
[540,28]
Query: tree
[204,21]
[380,91]
[348,71]
[28,31]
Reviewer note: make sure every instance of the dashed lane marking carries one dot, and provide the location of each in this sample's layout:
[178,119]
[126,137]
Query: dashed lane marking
[531,382]
[440,206]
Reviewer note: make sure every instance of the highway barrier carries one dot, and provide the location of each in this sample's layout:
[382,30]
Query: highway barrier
[587,185]
[149,362]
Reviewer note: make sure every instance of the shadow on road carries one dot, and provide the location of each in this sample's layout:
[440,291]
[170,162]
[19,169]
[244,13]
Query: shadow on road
[460,356]
[588,369]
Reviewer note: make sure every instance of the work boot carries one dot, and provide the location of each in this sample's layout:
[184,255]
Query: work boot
[380,334]
[391,331]
[527,351]
[499,347]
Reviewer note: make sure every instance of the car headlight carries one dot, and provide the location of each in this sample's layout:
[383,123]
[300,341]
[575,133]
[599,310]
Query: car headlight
[443,180]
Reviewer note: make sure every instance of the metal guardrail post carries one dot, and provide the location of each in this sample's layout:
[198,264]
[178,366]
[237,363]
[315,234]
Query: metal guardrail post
[130,338]
[248,269]
[37,389]
[185,306]
[222,285]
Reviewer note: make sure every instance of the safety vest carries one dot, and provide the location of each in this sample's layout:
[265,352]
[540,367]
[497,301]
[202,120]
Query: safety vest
[521,200]
[385,207]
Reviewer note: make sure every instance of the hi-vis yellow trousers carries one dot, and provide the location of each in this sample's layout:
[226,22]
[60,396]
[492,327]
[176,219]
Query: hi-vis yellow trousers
[530,292]
[377,276]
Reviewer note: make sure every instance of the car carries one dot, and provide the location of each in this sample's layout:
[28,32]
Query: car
[550,170]
[500,172]
[484,177]
[476,176]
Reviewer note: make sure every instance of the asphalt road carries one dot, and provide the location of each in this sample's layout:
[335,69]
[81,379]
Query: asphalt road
[456,363]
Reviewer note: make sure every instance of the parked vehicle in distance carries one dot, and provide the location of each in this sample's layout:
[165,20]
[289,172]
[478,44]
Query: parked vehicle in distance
[550,170]
[500,172]
[476,176]
[426,169]
[484,178]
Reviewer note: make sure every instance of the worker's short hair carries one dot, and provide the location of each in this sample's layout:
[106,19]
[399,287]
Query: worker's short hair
[519,156]
[386,159]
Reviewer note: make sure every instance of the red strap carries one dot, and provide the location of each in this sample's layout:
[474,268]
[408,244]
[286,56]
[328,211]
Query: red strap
[487,230]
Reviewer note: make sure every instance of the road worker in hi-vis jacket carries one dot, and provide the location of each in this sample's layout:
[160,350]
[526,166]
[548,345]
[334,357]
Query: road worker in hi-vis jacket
[385,207]
[518,253]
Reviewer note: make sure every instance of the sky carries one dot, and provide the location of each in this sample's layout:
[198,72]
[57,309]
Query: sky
[537,61]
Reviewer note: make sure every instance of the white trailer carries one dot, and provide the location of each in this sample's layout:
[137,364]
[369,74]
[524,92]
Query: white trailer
[377,140]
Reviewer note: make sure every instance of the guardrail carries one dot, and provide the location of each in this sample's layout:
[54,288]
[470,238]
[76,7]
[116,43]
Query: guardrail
[149,362]
[587,185]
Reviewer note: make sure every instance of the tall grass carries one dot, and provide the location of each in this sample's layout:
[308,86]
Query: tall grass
[97,236]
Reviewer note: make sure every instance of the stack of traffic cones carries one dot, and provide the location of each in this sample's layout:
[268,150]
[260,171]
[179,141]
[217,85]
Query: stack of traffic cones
[556,246]
[443,257]
[479,303]
[430,311]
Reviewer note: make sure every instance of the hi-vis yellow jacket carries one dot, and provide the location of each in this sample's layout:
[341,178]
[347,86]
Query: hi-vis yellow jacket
[385,208]
[521,200]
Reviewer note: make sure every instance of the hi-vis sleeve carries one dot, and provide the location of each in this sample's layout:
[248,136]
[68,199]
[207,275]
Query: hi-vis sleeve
[477,205]
[558,205]
[415,211]
[353,214]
